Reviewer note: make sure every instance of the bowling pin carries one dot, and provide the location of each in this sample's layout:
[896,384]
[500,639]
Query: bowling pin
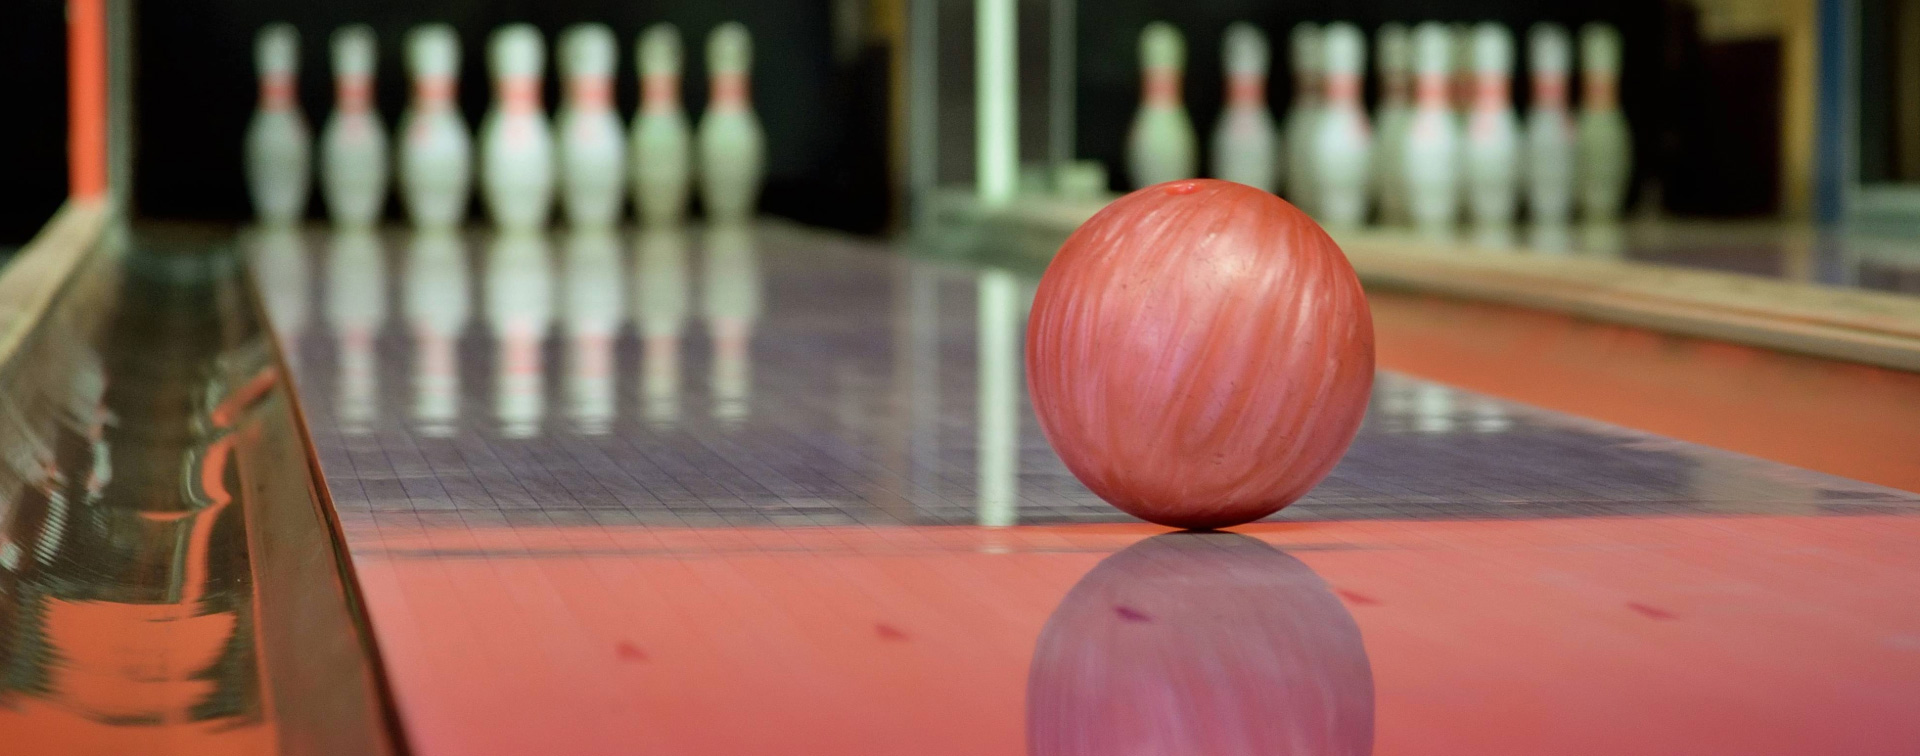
[593,323]
[1302,113]
[279,146]
[516,144]
[436,307]
[1341,137]
[1461,93]
[732,297]
[520,310]
[357,306]
[1605,145]
[593,161]
[1430,149]
[1394,51]
[732,145]
[1550,132]
[1493,132]
[353,147]
[662,303]
[436,148]
[1246,145]
[662,140]
[1161,145]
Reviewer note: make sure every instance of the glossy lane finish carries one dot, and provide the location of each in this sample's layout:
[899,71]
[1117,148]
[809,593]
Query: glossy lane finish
[787,533]
[1200,353]
[155,596]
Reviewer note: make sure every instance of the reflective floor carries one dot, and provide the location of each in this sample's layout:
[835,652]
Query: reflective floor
[765,489]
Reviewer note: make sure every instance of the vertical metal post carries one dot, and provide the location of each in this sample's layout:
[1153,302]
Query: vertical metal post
[1062,81]
[999,448]
[997,93]
[923,107]
[1835,137]
[87,99]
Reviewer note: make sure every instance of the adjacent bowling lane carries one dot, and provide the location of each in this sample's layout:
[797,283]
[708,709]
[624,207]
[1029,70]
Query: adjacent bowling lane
[754,489]
[166,582]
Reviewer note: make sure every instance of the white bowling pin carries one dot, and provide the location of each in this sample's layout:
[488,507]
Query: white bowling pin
[436,148]
[1246,145]
[662,140]
[1493,131]
[279,147]
[519,310]
[1394,58]
[1302,113]
[593,323]
[732,145]
[593,144]
[1430,150]
[1341,138]
[353,147]
[1461,92]
[662,314]
[1161,145]
[1605,144]
[357,307]
[436,307]
[732,299]
[1550,132]
[516,144]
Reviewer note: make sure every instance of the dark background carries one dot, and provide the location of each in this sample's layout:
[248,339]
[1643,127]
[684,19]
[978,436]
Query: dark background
[1705,117]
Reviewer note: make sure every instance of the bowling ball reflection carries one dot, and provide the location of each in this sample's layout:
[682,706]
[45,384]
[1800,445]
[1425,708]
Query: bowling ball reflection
[1200,643]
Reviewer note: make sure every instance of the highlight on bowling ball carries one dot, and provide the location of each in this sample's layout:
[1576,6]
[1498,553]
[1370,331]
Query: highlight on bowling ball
[1200,353]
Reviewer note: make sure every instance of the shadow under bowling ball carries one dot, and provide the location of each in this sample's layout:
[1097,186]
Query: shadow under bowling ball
[1200,643]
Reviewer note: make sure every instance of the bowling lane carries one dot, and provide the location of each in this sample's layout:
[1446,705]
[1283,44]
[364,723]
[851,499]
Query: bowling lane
[756,489]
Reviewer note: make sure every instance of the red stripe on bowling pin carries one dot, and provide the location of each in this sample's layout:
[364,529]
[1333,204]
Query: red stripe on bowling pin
[730,91]
[355,94]
[1430,91]
[277,91]
[1343,89]
[1246,89]
[1160,86]
[1600,91]
[434,92]
[1550,91]
[660,92]
[1490,92]
[520,95]
[592,92]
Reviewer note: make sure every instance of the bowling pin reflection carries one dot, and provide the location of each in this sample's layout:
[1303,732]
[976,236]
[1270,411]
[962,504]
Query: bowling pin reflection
[593,321]
[1202,643]
[519,309]
[732,299]
[357,305]
[436,309]
[280,271]
[662,289]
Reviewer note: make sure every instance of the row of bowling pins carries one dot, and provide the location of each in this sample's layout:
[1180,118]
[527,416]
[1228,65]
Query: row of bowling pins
[524,294]
[1447,126]
[521,162]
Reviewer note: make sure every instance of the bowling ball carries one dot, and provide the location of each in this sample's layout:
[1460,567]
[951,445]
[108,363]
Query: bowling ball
[1200,353]
[1200,643]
